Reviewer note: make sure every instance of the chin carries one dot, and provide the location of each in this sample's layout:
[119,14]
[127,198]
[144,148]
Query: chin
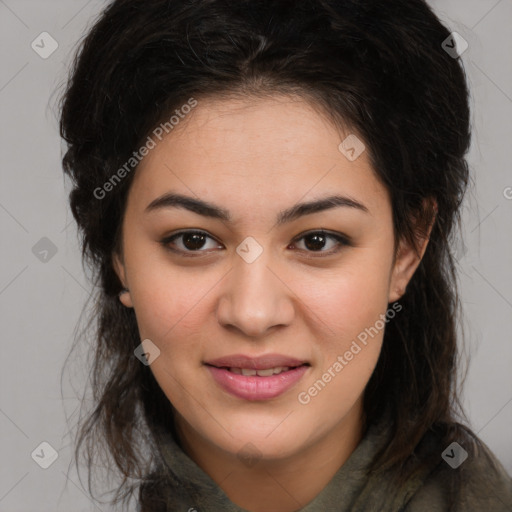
[268,443]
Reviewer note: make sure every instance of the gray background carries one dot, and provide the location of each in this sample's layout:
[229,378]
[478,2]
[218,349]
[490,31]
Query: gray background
[41,301]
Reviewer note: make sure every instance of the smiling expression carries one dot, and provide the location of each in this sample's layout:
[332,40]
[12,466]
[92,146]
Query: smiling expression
[247,232]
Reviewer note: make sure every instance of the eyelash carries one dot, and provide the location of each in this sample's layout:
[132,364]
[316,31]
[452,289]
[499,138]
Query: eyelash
[341,239]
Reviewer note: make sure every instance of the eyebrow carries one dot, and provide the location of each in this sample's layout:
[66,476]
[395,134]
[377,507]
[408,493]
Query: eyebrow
[206,209]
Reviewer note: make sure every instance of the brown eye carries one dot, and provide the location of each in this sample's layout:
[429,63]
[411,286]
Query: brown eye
[189,241]
[316,241]
[193,241]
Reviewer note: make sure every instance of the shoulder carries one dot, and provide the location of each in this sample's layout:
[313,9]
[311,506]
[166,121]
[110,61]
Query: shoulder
[152,496]
[467,478]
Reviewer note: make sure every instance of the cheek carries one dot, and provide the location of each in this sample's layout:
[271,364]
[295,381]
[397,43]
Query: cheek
[352,307]
[166,296]
[172,314]
[336,387]
[170,309]
[348,300]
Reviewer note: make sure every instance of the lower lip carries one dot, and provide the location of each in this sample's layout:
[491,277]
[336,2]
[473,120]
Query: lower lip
[254,387]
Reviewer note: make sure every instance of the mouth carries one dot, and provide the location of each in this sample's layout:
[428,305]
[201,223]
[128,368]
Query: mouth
[263,362]
[260,378]
[250,372]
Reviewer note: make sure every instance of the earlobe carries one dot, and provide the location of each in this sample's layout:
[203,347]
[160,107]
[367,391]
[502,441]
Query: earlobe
[406,264]
[125,298]
[124,295]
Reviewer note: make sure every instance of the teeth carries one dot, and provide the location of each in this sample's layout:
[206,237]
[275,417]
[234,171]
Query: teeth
[265,373]
[261,373]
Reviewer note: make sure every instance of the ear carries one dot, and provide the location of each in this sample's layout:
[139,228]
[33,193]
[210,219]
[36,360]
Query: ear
[119,268]
[409,257]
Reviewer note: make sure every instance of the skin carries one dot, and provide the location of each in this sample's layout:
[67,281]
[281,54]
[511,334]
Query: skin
[254,158]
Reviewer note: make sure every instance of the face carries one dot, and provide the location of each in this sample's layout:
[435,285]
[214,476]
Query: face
[231,273]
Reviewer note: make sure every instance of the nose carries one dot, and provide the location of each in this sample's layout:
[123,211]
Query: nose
[255,298]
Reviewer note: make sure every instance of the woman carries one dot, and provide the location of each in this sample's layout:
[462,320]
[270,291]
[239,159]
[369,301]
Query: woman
[266,193]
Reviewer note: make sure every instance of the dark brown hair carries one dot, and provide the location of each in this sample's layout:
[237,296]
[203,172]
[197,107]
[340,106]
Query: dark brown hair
[374,66]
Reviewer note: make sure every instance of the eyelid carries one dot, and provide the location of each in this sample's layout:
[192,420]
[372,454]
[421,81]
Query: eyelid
[326,232]
[340,238]
[170,238]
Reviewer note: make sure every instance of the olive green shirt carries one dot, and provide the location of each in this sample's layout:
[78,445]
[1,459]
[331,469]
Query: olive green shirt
[486,486]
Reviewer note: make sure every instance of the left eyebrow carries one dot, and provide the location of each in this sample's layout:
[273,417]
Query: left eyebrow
[206,209]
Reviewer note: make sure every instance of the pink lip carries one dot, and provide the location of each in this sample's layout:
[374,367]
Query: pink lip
[255,387]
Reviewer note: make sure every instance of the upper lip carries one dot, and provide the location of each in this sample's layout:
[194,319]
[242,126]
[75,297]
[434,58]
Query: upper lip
[256,363]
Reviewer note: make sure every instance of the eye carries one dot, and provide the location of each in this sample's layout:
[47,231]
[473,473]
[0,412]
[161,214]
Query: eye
[189,242]
[195,241]
[315,241]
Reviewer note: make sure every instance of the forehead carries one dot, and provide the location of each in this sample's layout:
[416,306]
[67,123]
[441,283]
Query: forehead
[253,154]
